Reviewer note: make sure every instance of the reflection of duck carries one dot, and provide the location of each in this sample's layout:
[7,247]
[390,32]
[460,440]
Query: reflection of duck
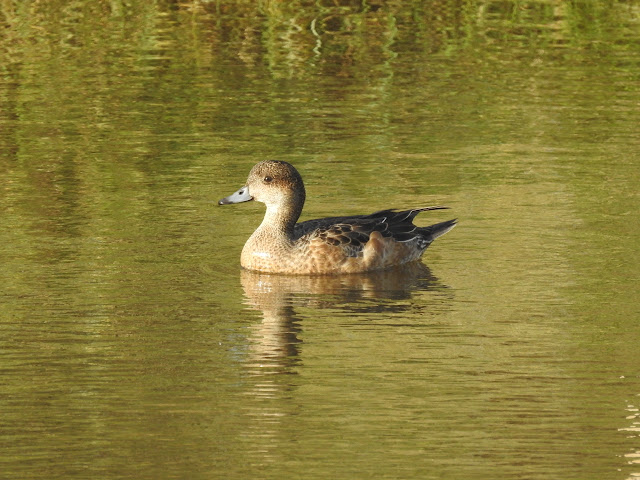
[275,338]
[326,245]
[277,295]
[275,342]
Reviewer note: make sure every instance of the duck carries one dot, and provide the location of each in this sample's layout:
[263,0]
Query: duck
[331,245]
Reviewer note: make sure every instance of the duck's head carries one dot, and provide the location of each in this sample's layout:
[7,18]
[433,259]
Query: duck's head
[272,182]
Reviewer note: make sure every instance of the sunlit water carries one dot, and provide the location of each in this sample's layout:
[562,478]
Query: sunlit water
[133,345]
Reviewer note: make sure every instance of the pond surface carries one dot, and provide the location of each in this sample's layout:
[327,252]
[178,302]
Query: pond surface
[132,345]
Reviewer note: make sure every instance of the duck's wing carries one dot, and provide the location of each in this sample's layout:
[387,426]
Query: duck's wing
[352,233]
[349,233]
[399,224]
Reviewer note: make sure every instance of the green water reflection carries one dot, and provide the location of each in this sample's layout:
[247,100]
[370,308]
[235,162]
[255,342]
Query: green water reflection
[133,346]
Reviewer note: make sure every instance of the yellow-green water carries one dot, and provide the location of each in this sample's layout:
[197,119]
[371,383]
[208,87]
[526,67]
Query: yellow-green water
[133,346]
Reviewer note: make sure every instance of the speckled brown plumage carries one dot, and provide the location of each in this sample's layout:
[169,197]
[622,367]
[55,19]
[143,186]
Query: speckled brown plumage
[327,245]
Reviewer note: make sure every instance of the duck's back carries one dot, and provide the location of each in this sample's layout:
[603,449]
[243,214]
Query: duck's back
[366,242]
[390,223]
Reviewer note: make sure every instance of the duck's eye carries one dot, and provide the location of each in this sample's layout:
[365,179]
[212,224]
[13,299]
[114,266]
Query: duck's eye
[268,179]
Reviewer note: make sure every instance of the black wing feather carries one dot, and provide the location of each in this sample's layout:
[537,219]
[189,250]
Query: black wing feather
[354,231]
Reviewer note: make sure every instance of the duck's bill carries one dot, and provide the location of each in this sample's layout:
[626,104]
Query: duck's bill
[240,196]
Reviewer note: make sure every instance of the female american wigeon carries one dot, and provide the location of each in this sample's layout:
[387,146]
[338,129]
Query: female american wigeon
[326,245]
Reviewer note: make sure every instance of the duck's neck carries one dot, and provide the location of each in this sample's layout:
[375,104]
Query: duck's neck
[280,219]
[272,241]
[270,246]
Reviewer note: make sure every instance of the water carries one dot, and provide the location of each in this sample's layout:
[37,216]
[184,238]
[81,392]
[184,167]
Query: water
[134,346]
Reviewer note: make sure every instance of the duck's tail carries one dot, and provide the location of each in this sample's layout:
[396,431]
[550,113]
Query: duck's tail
[437,230]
